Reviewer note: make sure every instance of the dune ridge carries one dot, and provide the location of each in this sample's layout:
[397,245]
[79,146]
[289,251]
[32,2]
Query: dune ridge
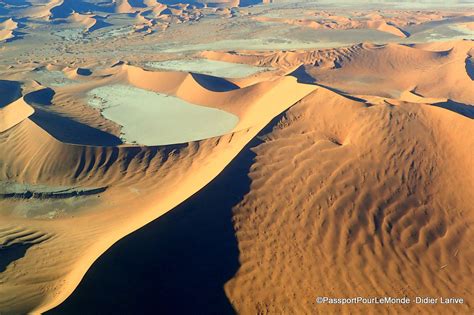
[342,23]
[8,29]
[437,70]
[14,113]
[91,22]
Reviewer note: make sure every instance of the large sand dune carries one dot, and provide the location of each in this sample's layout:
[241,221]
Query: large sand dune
[370,203]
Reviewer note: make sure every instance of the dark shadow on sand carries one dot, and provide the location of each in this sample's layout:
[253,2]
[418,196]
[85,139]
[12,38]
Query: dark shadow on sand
[460,108]
[177,264]
[9,254]
[10,91]
[84,72]
[470,67]
[302,76]
[214,84]
[68,130]
[43,97]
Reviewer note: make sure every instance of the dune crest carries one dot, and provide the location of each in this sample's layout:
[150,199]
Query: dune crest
[14,113]
[7,29]
[354,69]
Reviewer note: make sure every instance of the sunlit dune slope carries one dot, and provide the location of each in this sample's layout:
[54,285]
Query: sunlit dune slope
[7,29]
[441,70]
[354,200]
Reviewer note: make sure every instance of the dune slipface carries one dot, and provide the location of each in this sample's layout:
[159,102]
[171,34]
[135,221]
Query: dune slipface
[285,158]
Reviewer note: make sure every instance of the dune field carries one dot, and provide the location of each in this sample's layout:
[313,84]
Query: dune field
[236,157]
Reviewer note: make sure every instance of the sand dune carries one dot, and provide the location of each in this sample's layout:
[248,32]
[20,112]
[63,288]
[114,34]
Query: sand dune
[437,70]
[358,159]
[58,9]
[7,29]
[122,6]
[38,10]
[338,22]
[320,126]
[13,108]
[384,27]
[91,22]
[370,203]
[14,113]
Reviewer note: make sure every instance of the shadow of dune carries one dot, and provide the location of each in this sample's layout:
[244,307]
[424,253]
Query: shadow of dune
[70,131]
[407,34]
[470,67]
[137,3]
[302,76]
[84,72]
[177,264]
[43,97]
[99,24]
[214,84]
[66,8]
[247,3]
[16,2]
[460,108]
[10,91]
[17,35]
[9,254]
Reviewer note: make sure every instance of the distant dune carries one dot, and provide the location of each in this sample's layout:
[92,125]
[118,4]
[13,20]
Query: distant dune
[7,29]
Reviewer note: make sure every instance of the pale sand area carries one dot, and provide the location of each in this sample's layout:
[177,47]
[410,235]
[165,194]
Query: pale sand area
[210,67]
[151,118]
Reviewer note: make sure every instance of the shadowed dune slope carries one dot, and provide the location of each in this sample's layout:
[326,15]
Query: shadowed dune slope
[10,91]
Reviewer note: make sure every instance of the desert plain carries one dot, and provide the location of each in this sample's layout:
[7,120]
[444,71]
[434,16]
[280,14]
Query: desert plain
[236,157]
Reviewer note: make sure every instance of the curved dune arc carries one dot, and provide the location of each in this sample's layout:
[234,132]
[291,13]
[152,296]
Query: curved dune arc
[242,102]
[435,69]
[194,89]
[77,161]
[14,113]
